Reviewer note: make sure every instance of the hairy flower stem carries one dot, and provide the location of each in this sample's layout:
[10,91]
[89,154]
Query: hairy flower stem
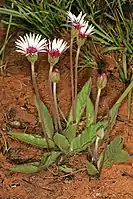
[95,153]
[43,122]
[76,78]
[96,145]
[51,98]
[56,106]
[97,104]
[72,79]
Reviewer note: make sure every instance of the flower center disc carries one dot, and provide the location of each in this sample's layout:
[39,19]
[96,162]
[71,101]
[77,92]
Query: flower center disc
[77,25]
[31,50]
[54,53]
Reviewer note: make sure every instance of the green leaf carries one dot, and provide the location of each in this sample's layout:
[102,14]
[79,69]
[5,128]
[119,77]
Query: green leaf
[70,132]
[91,169]
[65,169]
[123,156]
[48,123]
[26,168]
[112,48]
[81,141]
[89,112]
[81,102]
[124,63]
[113,111]
[102,41]
[112,114]
[33,139]
[116,144]
[49,158]
[61,141]
[114,153]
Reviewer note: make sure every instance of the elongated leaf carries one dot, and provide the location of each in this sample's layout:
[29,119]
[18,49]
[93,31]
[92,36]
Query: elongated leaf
[49,158]
[91,169]
[70,132]
[124,63]
[112,48]
[114,110]
[48,123]
[65,169]
[102,35]
[114,152]
[112,114]
[61,141]
[101,32]
[26,168]
[11,12]
[81,102]
[33,139]
[82,140]
[89,112]
[101,40]
[129,100]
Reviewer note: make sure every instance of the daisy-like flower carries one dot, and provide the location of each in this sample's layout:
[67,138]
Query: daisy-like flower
[77,22]
[31,44]
[85,31]
[55,48]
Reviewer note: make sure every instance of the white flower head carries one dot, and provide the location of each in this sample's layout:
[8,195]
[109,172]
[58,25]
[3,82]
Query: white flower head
[77,22]
[85,31]
[56,47]
[31,44]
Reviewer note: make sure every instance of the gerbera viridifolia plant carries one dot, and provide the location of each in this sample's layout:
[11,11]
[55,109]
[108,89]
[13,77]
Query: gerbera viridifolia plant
[55,78]
[83,33]
[77,23]
[30,45]
[55,48]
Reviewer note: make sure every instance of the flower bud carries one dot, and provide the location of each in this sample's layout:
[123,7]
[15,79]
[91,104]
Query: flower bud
[100,133]
[102,81]
[55,76]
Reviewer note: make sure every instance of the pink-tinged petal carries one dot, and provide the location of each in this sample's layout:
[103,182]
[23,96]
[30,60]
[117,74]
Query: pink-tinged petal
[71,16]
[54,44]
[21,51]
[78,21]
[85,31]
[79,16]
